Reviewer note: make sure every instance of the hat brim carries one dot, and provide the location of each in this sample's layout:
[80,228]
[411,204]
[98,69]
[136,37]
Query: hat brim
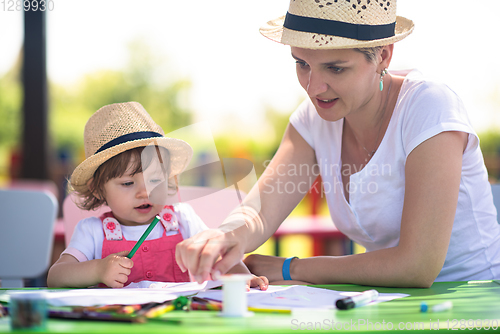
[275,31]
[180,155]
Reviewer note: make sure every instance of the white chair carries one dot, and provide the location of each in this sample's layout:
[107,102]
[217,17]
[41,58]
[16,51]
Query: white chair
[27,224]
[211,204]
[51,187]
[31,184]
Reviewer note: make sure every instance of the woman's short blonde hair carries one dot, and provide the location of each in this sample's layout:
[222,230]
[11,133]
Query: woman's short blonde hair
[370,53]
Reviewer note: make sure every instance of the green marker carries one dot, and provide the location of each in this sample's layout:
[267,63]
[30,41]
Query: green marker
[143,237]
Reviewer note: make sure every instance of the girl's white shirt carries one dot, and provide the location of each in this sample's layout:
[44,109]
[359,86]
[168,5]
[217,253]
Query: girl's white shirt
[88,237]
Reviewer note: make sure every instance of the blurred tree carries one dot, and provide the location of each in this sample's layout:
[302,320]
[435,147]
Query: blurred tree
[490,138]
[490,145]
[490,142]
[279,122]
[260,149]
[11,100]
[165,98]
[161,97]
[10,106]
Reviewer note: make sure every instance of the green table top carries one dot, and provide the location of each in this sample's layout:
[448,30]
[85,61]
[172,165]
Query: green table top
[476,307]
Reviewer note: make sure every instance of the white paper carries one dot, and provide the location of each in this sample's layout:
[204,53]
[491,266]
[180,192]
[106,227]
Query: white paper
[297,296]
[99,297]
[139,293]
[176,287]
[276,297]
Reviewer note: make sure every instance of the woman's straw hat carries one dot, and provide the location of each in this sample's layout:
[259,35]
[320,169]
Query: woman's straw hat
[338,24]
[119,127]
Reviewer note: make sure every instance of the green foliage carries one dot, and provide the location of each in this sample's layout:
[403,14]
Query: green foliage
[72,106]
[490,142]
[256,150]
[279,122]
[232,146]
[10,106]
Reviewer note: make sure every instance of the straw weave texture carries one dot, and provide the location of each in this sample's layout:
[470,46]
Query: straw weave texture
[115,120]
[373,12]
[361,12]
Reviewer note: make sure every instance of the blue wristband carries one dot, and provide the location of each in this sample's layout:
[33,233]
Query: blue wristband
[285,271]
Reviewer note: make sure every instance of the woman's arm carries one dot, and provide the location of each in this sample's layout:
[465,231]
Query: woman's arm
[69,272]
[269,201]
[433,172]
[284,183]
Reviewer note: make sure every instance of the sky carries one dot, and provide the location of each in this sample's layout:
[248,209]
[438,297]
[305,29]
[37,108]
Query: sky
[235,72]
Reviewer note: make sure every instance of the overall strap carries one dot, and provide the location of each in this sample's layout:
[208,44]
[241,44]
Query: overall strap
[111,227]
[168,218]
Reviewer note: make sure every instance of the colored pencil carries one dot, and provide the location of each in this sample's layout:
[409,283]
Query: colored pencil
[105,308]
[129,309]
[213,305]
[201,306]
[146,307]
[159,310]
[143,237]
[92,315]
[268,310]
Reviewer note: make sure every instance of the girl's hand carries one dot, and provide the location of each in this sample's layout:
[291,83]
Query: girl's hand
[258,281]
[114,269]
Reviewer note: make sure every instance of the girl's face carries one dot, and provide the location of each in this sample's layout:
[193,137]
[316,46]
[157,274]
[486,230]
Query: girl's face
[127,196]
[338,82]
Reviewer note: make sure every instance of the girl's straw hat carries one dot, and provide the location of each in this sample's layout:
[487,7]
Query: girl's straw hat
[119,127]
[338,24]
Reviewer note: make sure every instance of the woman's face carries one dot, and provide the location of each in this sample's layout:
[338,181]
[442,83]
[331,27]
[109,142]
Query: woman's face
[338,82]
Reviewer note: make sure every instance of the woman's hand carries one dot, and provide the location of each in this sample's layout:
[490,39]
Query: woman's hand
[270,267]
[199,253]
[114,269]
[263,265]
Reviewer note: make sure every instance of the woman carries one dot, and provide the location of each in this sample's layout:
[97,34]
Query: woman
[401,164]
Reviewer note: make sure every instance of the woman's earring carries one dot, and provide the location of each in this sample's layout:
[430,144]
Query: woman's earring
[384,72]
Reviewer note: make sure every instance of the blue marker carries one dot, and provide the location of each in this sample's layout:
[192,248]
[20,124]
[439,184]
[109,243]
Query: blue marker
[358,300]
[436,308]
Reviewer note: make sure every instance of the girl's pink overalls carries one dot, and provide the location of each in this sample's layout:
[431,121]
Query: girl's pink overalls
[155,259]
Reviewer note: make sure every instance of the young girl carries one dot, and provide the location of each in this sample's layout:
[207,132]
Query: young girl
[117,172]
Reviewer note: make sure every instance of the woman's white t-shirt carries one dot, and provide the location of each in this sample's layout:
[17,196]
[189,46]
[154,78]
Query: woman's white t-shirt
[372,217]
[88,237]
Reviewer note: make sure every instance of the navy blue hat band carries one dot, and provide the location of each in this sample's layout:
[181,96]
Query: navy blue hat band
[362,32]
[128,137]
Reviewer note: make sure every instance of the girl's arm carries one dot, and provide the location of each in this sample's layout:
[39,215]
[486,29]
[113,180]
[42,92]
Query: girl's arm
[69,272]
[270,204]
[433,172]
